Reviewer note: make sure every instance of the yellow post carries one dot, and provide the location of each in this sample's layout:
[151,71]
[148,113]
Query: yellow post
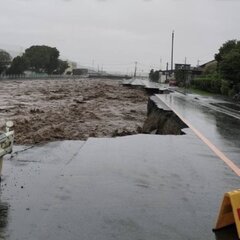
[230,211]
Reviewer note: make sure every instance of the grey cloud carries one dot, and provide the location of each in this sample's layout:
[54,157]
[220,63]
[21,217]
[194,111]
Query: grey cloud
[121,31]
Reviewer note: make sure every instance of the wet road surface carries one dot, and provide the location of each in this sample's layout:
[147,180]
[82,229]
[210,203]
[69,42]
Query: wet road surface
[136,187]
[220,125]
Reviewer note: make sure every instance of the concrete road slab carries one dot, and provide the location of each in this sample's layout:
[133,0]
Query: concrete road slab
[136,187]
[218,126]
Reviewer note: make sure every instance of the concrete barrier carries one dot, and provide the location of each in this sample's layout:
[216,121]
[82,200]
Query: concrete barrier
[6,143]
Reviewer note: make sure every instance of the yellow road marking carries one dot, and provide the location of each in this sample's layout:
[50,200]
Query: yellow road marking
[219,153]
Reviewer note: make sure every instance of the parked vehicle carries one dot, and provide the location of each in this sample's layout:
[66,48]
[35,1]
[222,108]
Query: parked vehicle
[172,83]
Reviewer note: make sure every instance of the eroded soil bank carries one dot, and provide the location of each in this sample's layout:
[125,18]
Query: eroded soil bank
[162,120]
[48,110]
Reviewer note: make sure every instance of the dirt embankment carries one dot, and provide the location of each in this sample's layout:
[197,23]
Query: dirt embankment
[48,110]
[162,120]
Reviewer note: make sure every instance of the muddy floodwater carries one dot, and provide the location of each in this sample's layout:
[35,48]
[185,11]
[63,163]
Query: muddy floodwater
[72,109]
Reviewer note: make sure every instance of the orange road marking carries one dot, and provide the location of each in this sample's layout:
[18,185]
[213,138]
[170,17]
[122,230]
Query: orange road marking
[219,153]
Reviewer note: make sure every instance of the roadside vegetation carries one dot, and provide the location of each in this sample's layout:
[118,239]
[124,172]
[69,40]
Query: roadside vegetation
[223,75]
[197,91]
[154,75]
[5,60]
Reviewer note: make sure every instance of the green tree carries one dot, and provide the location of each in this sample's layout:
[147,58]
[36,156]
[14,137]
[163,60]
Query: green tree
[62,66]
[42,59]
[228,59]
[230,66]
[180,76]
[151,74]
[18,65]
[154,75]
[5,60]
[225,48]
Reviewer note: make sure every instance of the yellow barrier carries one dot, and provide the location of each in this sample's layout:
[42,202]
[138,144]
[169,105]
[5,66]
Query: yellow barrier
[230,211]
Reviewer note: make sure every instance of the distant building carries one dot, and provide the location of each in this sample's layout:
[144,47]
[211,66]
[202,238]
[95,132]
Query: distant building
[71,67]
[181,66]
[208,67]
[80,71]
[185,73]
[207,64]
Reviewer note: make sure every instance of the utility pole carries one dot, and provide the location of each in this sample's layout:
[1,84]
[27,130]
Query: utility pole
[172,51]
[198,63]
[167,71]
[135,71]
[185,75]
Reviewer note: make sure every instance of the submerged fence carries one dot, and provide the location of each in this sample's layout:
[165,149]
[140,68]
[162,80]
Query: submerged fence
[11,77]
[45,76]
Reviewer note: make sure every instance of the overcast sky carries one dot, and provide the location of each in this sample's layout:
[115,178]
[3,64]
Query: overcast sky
[116,33]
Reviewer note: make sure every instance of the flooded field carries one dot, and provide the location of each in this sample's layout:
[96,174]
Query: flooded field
[72,109]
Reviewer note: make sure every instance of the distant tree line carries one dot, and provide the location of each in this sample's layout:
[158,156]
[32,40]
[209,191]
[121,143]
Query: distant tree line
[224,75]
[38,59]
[154,75]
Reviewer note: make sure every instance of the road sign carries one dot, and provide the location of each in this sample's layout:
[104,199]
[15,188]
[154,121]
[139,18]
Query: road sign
[230,211]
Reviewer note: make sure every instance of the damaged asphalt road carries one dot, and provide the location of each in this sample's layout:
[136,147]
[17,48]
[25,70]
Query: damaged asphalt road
[220,127]
[133,187]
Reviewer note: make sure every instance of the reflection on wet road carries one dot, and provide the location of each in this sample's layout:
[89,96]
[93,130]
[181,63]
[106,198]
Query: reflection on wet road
[220,127]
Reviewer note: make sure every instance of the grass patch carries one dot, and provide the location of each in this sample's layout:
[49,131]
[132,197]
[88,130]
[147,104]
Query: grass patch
[192,90]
